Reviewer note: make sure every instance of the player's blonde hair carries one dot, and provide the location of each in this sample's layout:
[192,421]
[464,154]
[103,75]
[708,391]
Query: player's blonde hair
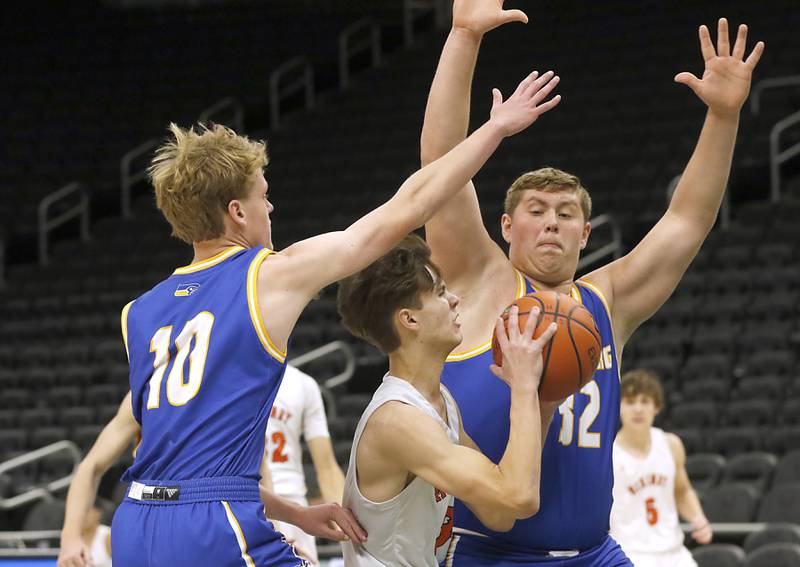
[644,382]
[196,175]
[549,180]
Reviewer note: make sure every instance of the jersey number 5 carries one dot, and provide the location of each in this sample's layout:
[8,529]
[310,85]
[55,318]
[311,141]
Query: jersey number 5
[191,343]
[586,438]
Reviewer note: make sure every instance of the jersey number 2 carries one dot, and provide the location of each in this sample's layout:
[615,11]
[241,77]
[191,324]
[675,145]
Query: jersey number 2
[586,438]
[192,342]
[278,456]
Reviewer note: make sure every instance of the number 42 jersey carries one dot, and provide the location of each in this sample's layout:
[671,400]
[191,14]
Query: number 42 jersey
[203,371]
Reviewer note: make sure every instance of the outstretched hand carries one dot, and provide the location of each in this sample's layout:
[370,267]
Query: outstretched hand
[524,106]
[331,521]
[481,16]
[726,79]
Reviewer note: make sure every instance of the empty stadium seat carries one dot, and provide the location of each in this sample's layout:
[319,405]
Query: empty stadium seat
[694,440]
[781,504]
[788,468]
[780,440]
[753,413]
[735,440]
[701,414]
[772,533]
[716,389]
[704,470]
[719,555]
[762,387]
[707,366]
[733,502]
[45,515]
[754,469]
[774,554]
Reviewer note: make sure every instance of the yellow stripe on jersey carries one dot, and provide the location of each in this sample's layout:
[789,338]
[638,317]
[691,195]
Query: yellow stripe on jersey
[213,261]
[480,349]
[599,293]
[255,312]
[124,325]
[237,530]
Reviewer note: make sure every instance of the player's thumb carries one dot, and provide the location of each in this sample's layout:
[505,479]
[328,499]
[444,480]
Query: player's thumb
[515,16]
[497,98]
[687,79]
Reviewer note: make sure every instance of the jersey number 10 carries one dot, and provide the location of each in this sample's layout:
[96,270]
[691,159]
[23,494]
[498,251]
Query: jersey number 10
[192,342]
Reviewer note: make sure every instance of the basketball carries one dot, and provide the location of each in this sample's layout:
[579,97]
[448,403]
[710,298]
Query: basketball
[571,357]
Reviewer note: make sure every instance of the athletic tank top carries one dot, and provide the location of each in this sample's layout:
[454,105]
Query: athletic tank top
[644,517]
[203,372]
[577,474]
[99,548]
[414,527]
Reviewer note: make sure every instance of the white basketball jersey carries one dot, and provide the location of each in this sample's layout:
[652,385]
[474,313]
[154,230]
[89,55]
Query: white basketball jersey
[298,410]
[413,528]
[644,517]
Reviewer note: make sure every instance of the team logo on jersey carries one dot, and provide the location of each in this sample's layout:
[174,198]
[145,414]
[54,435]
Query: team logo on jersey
[439,494]
[186,289]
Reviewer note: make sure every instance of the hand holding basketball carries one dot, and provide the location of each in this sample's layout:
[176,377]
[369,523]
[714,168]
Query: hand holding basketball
[522,354]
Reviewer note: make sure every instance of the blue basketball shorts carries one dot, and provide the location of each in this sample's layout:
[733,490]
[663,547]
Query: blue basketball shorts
[476,551]
[216,522]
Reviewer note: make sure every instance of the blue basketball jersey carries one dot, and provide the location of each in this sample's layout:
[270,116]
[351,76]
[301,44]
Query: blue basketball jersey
[203,372]
[577,473]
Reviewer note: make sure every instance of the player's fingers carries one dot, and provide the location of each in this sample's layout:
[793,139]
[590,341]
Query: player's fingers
[755,56]
[502,338]
[526,83]
[530,324]
[513,323]
[706,46]
[498,371]
[545,337]
[723,41]
[741,41]
[534,86]
[347,521]
[497,98]
[687,79]
[549,105]
[543,93]
[330,533]
[515,16]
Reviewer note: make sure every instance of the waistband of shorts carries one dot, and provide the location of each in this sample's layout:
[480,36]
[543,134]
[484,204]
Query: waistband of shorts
[490,542]
[171,492]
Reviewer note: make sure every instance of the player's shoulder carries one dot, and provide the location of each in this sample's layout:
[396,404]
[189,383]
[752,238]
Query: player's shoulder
[675,444]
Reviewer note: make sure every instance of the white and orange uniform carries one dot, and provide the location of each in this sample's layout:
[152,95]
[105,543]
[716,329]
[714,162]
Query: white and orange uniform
[644,517]
[413,528]
[298,410]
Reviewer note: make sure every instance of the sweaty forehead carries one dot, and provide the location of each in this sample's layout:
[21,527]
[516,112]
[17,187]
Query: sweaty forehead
[554,199]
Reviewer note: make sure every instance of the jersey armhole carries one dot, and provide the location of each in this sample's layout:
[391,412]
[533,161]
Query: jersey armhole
[255,313]
[124,326]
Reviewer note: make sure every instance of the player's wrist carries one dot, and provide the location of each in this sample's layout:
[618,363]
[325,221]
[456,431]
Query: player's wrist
[464,33]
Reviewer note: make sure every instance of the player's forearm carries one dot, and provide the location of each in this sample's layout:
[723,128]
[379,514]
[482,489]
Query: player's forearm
[331,483]
[520,465]
[277,507]
[688,505]
[447,112]
[699,194]
[80,497]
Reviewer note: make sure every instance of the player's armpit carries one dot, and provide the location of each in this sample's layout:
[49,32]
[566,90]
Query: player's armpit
[418,444]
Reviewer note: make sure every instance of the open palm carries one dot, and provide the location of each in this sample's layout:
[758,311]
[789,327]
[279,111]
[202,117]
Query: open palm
[481,16]
[726,79]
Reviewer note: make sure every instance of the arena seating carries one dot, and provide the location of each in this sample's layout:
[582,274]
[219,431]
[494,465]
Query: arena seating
[726,344]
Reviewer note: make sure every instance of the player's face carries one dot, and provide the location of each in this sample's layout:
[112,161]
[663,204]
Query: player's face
[638,412]
[439,324]
[546,233]
[257,208]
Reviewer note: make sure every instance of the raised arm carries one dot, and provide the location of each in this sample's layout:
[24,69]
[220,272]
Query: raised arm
[499,494]
[461,246]
[640,282]
[289,280]
[112,442]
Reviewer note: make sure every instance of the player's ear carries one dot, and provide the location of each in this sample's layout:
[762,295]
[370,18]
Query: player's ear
[505,227]
[406,319]
[587,229]
[236,211]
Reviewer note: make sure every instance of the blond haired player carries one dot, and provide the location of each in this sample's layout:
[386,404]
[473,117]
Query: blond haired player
[298,412]
[651,486]
[410,454]
[546,224]
[207,345]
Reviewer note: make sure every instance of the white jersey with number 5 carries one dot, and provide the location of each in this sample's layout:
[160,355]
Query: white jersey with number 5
[644,517]
[298,410]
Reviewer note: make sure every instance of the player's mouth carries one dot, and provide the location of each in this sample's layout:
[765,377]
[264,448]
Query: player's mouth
[550,245]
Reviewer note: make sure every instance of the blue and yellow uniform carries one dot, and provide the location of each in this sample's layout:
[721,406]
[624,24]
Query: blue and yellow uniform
[577,476]
[203,377]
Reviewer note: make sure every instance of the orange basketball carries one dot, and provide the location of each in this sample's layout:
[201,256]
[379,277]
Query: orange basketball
[571,357]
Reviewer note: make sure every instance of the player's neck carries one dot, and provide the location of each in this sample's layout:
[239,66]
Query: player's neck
[636,439]
[539,285]
[422,370]
[206,249]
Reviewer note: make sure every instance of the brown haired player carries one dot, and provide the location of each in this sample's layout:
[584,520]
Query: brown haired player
[651,486]
[546,224]
[410,454]
[207,345]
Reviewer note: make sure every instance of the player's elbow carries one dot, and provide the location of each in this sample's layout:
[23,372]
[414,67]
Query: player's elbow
[526,503]
[499,521]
